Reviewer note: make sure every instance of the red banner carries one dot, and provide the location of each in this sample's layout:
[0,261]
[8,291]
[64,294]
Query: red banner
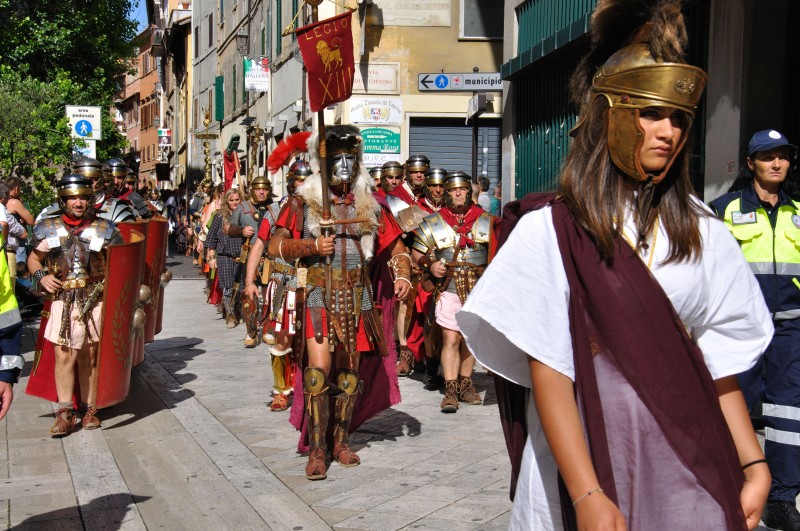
[230,167]
[327,49]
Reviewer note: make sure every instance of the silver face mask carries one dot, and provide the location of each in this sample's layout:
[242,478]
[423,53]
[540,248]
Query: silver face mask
[343,168]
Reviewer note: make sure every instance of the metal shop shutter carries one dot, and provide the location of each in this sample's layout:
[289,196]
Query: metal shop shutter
[448,143]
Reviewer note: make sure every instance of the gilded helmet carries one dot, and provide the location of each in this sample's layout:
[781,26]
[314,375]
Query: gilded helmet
[260,182]
[375,172]
[90,168]
[131,177]
[418,163]
[73,185]
[457,179]
[646,71]
[433,177]
[114,168]
[391,168]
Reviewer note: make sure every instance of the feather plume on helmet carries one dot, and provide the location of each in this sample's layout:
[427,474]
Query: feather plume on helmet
[342,139]
[636,60]
[291,147]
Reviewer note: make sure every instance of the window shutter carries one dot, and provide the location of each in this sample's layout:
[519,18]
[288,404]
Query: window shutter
[219,98]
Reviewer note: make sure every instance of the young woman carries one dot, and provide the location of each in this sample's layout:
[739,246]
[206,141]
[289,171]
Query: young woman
[639,312]
[222,251]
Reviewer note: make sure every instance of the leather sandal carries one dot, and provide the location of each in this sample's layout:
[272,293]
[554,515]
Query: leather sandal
[406,361]
[345,456]
[65,423]
[316,468]
[90,420]
[280,402]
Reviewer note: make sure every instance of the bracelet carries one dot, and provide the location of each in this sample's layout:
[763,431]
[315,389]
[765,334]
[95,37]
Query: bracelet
[589,493]
[280,253]
[751,463]
[38,276]
[316,244]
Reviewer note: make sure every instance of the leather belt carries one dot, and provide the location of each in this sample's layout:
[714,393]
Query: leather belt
[77,283]
[284,269]
[316,277]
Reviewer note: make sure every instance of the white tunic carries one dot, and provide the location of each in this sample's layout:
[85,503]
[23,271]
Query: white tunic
[519,309]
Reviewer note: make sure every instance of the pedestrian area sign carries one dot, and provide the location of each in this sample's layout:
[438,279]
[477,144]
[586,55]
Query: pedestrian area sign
[466,82]
[85,122]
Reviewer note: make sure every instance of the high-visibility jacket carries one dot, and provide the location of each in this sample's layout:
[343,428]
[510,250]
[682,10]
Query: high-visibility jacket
[773,253]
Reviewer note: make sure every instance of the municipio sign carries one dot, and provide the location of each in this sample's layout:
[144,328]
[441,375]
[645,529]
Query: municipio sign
[85,122]
[466,82]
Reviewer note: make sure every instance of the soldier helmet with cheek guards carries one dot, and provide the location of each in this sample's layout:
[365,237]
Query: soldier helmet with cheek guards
[418,163]
[458,179]
[75,185]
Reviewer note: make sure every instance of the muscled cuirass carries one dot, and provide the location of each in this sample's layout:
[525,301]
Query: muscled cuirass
[76,255]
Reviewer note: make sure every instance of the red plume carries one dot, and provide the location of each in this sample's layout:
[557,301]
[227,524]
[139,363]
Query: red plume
[286,149]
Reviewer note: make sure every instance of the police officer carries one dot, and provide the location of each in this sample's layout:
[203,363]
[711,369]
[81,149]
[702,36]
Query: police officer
[764,218]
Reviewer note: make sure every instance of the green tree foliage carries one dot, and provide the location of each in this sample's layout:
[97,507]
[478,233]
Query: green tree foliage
[52,54]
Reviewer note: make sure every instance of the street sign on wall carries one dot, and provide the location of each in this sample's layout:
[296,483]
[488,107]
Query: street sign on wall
[465,82]
[85,122]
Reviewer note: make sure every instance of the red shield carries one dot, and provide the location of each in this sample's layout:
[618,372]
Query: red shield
[121,298]
[124,266]
[125,228]
[155,258]
[41,382]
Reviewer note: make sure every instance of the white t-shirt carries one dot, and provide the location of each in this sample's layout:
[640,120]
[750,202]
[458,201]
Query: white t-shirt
[717,299]
[3,213]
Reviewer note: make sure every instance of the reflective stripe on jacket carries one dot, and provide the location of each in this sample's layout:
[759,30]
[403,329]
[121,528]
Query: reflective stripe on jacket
[773,254]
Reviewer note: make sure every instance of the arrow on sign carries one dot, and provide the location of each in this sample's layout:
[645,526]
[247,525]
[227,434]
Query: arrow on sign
[425,81]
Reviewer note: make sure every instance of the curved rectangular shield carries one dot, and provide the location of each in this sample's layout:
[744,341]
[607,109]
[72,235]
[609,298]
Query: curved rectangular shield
[125,228]
[155,258]
[42,381]
[120,299]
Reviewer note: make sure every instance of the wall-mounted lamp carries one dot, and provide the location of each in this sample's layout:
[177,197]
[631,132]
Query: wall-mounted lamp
[242,40]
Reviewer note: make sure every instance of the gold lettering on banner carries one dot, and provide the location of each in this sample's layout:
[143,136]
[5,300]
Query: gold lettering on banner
[335,84]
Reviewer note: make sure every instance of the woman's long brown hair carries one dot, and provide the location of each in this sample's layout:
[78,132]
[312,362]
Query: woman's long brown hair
[597,193]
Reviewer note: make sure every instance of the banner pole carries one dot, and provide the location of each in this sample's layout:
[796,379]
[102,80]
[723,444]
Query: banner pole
[326,224]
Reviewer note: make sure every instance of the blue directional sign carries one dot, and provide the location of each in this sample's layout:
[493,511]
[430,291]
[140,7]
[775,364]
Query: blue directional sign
[460,82]
[83,128]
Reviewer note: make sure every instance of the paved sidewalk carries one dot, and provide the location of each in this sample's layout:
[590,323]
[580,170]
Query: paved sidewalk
[194,447]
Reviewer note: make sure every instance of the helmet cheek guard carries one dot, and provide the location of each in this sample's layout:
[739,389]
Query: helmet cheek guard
[631,80]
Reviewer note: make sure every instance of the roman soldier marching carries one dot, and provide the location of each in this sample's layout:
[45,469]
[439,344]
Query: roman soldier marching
[68,262]
[274,279]
[458,236]
[340,320]
[245,222]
